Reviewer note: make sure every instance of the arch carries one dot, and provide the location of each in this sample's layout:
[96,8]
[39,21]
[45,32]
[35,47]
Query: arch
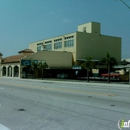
[16,71]
[10,71]
[4,71]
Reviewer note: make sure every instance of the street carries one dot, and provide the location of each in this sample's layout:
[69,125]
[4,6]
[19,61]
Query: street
[59,105]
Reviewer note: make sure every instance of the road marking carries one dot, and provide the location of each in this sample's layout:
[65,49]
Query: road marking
[2,127]
[78,91]
[64,90]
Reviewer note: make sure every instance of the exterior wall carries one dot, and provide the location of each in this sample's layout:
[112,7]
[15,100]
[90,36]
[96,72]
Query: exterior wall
[91,27]
[33,46]
[53,59]
[97,46]
[87,42]
[12,73]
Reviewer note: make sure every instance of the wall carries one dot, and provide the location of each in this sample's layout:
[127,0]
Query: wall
[54,59]
[97,46]
[91,27]
[33,46]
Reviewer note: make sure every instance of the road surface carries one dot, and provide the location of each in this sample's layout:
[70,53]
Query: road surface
[59,105]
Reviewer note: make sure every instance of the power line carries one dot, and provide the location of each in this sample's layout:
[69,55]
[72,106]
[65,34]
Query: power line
[125,4]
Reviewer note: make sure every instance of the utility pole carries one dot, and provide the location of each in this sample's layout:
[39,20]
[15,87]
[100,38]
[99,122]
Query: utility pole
[128,8]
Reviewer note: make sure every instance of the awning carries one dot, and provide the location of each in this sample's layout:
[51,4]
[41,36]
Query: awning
[85,60]
[121,66]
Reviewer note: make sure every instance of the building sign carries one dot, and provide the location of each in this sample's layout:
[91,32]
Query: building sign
[29,62]
[76,67]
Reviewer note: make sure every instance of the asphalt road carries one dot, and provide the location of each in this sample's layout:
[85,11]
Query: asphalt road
[59,105]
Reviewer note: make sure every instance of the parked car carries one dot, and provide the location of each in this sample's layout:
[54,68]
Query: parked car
[112,75]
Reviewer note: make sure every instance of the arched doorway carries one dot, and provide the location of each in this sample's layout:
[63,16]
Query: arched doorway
[16,71]
[4,71]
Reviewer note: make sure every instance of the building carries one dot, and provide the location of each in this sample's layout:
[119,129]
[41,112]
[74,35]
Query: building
[10,66]
[87,41]
[64,53]
[58,62]
[21,65]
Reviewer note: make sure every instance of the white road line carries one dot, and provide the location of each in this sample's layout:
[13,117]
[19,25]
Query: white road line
[2,127]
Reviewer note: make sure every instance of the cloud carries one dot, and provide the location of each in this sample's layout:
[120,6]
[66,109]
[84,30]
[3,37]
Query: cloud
[66,20]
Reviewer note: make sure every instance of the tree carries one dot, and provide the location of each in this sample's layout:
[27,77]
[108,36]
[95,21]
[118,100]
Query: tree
[34,67]
[43,66]
[109,62]
[88,64]
[1,54]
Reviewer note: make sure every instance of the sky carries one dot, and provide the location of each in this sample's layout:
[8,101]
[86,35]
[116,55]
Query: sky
[26,21]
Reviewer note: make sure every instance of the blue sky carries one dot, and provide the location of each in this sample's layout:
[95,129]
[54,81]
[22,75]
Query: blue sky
[26,21]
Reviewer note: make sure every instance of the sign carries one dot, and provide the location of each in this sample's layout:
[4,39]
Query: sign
[29,62]
[76,67]
[26,62]
[123,124]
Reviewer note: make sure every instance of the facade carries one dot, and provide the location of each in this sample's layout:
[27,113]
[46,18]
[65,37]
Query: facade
[87,41]
[57,62]
[10,66]
[21,65]
[63,53]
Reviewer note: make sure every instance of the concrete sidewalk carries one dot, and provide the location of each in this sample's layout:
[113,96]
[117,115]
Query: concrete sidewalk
[74,81]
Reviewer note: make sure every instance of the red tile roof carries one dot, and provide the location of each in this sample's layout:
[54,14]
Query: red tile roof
[16,58]
[13,59]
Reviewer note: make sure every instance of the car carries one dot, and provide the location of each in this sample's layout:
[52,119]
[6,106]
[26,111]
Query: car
[114,75]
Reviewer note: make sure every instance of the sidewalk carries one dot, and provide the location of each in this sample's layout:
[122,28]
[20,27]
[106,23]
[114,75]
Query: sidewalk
[92,81]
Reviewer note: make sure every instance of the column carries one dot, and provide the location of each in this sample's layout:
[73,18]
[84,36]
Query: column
[6,71]
[12,71]
[20,71]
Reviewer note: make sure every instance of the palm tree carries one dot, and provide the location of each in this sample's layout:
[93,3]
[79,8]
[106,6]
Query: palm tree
[109,62]
[1,54]
[43,66]
[88,64]
[34,67]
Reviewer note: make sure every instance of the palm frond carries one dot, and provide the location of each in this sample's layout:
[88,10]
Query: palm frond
[88,64]
[43,65]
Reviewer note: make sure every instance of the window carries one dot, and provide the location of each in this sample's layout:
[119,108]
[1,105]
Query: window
[47,42]
[69,37]
[49,47]
[39,46]
[69,43]
[57,39]
[57,45]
